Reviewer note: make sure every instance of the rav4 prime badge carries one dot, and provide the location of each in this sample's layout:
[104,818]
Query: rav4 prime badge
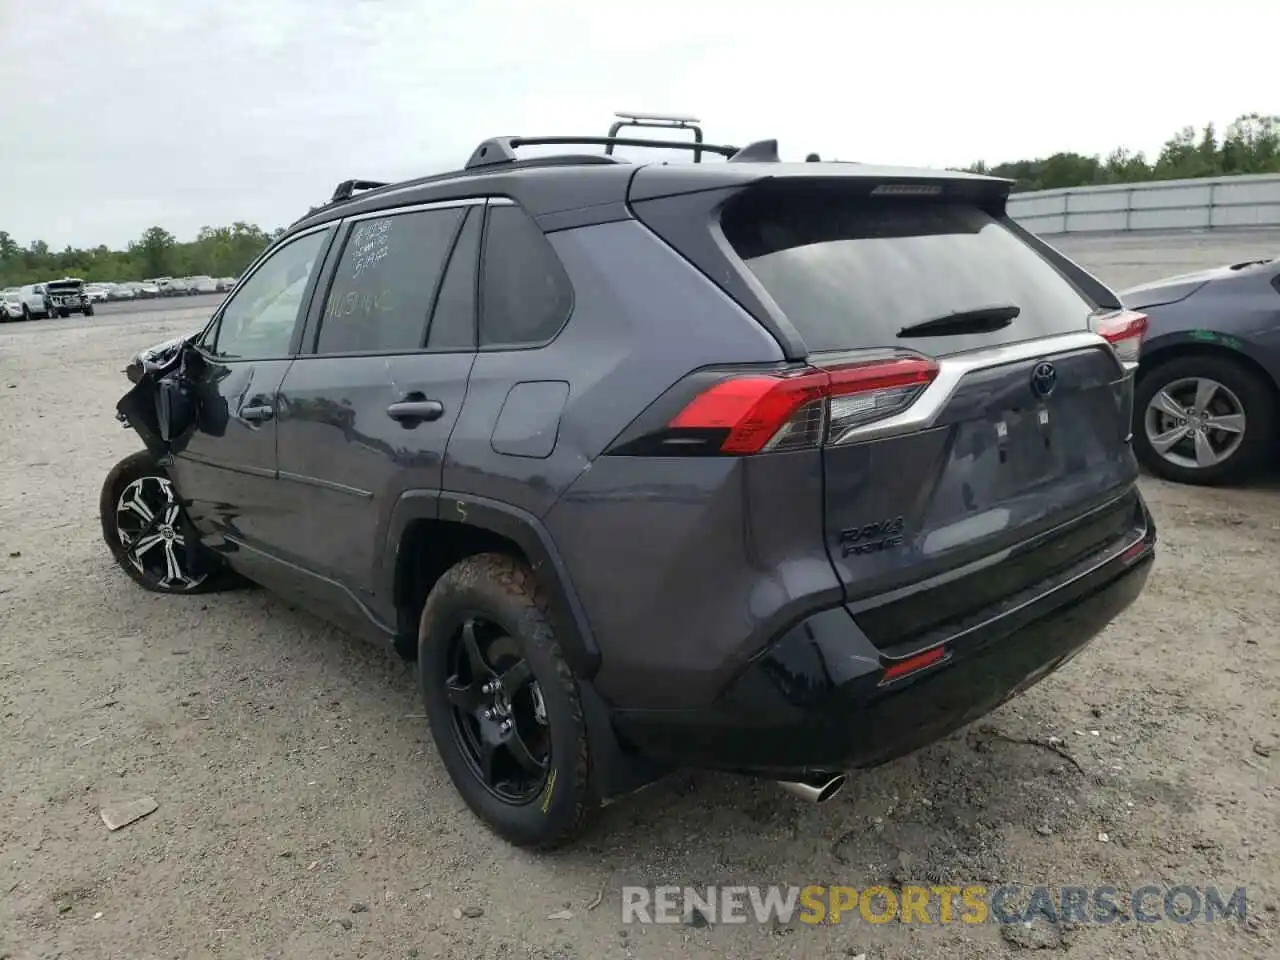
[872,537]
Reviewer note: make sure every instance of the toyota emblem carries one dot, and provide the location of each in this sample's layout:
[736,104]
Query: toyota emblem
[1044,378]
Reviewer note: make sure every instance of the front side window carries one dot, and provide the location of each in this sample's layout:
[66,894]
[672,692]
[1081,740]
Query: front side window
[259,320]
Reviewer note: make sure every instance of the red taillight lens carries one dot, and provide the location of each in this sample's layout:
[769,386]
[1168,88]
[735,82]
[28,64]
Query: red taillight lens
[1124,330]
[799,410]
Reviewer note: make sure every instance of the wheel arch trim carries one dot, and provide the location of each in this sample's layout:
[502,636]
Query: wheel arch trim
[1187,343]
[524,530]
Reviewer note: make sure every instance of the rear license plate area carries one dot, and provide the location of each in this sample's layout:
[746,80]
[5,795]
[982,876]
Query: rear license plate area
[1025,448]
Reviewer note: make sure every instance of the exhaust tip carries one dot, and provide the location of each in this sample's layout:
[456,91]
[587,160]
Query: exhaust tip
[818,790]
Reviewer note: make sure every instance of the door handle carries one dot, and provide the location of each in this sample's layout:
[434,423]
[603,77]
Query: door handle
[257,414]
[411,411]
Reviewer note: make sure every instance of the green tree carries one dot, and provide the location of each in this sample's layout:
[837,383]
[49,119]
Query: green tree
[155,251]
[1251,144]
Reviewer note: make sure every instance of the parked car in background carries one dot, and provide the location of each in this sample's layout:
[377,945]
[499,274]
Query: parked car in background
[36,304]
[11,303]
[174,287]
[68,296]
[225,284]
[121,291]
[1205,408]
[202,285]
[146,290]
[97,292]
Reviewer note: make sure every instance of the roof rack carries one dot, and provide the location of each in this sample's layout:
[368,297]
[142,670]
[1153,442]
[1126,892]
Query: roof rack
[347,188]
[502,149]
[666,121]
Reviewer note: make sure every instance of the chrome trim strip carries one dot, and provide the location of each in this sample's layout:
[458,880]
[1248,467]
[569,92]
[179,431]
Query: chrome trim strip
[324,484]
[951,370]
[382,212]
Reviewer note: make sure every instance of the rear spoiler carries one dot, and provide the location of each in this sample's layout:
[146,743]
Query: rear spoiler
[654,181]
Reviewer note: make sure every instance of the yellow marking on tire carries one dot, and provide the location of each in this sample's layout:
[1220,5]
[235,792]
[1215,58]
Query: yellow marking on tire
[548,791]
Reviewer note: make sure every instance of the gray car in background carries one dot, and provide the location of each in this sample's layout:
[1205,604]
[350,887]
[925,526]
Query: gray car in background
[783,469]
[1209,378]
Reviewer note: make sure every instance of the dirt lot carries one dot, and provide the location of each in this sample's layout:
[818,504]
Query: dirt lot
[303,811]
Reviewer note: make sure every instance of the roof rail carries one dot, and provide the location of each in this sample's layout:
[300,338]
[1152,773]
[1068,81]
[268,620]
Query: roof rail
[498,150]
[347,188]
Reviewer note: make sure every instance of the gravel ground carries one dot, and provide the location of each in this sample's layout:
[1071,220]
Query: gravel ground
[303,811]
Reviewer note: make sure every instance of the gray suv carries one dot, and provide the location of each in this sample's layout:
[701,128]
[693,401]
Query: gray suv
[780,469]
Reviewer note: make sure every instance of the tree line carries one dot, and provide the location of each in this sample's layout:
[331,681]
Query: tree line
[215,252]
[1250,144]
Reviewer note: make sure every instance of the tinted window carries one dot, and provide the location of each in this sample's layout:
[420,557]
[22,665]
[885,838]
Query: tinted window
[258,321]
[385,282]
[525,296]
[850,273]
[453,324]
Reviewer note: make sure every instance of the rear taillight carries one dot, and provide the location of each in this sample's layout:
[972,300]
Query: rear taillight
[1124,330]
[757,413]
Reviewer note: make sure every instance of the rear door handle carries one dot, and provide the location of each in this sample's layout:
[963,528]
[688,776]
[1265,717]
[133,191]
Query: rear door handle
[415,411]
[257,414]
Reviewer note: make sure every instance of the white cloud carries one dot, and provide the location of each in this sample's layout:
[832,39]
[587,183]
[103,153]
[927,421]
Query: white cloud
[117,116]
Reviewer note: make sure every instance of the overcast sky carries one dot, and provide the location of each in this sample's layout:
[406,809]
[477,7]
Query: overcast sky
[119,114]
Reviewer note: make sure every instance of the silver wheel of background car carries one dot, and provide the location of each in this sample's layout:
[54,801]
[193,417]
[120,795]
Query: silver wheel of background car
[1195,422]
[149,525]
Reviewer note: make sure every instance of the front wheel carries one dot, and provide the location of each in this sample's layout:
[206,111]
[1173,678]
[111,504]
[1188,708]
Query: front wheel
[148,532]
[1203,419]
[88,311]
[503,705]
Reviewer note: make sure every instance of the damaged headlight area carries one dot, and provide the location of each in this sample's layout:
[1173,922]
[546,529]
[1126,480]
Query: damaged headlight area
[166,404]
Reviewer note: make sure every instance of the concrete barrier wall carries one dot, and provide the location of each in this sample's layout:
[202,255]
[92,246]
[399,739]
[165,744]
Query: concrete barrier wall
[1202,204]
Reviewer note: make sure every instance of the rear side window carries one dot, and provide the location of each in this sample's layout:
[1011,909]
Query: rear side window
[850,273]
[385,282]
[525,294]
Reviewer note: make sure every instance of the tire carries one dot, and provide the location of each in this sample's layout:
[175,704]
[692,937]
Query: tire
[498,597]
[26,312]
[201,570]
[1238,385]
[88,311]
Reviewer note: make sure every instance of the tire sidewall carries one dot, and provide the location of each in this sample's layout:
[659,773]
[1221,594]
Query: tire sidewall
[1253,392]
[467,591]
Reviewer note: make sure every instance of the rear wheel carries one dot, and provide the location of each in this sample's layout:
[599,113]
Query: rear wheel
[148,532]
[1203,419]
[502,703]
[88,311]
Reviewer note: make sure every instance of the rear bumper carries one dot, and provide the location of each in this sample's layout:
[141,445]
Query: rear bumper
[817,700]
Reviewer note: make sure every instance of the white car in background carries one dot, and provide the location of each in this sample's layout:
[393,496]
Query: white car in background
[11,303]
[202,285]
[97,292]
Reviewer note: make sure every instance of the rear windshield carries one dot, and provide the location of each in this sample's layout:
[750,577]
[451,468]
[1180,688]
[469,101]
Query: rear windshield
[850,272]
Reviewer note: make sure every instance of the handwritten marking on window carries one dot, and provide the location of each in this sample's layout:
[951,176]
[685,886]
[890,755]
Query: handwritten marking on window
[370,244]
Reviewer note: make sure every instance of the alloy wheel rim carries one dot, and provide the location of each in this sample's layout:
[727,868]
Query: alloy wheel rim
[1195,423]
[497,711]
[150,528]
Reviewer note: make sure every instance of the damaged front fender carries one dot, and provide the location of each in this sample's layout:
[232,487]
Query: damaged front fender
[173,395]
